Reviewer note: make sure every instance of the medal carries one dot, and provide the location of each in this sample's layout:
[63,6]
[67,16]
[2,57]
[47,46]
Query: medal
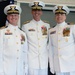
[66,32]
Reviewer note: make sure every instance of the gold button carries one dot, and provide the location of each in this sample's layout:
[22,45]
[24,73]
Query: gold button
[38,38]
[16,36]
[39,46]
[58,40]
[14,29]
[16,42]
[59,55]
[59,48]
[58,33]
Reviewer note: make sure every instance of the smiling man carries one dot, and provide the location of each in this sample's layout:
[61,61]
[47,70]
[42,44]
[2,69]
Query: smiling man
[37,31]
[62,44]
[13,44]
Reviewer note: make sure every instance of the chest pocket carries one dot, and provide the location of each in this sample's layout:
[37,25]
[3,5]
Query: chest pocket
[31,33]
[44,36]
[53,35]
[9,40]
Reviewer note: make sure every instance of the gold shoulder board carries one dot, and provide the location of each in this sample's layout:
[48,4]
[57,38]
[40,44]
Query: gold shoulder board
[3,27]
[26,22]
[45,21]
[71,23]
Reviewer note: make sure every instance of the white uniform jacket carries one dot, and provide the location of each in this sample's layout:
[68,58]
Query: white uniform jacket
[62,48]
[13,51]
[37,44]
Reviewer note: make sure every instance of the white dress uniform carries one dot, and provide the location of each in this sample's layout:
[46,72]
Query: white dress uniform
[13,51]
[62,49]
[37,44]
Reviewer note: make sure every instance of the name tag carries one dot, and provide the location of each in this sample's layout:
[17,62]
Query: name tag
[53,32]
[31,30]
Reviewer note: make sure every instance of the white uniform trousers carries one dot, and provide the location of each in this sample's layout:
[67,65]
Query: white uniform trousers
[38,72]
[66,73]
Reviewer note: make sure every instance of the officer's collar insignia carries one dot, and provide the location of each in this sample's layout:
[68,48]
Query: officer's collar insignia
[53,32]
[66,31]
[44,30]
[8,32]
[31,29]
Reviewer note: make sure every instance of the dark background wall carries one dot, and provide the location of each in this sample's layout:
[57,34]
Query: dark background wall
[3,3]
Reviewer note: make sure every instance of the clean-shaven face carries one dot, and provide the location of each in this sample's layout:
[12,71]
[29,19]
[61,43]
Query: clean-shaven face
[60,17]
[37,14]
[13,19]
